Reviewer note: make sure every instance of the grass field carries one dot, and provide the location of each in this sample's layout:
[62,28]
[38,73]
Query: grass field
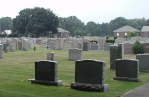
[17,67]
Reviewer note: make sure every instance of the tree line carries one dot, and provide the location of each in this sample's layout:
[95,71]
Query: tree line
[36,22]
[77,27]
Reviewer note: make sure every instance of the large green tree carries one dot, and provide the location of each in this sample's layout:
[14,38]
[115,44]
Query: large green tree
[72,24]
[5,24]
[104,29]
[35,22]
[90,28]
[137,23]
[116,23]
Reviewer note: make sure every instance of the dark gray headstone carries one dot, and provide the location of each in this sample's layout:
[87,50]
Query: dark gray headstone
[127,69]
[1,51]
[89,76]
[46,73]
[115,53]
[85,46]
[5,47]
[121,50]
[143,62]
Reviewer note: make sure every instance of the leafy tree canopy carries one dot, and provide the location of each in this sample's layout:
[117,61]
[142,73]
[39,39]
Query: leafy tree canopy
[35,22]
[5,24]
[72,24]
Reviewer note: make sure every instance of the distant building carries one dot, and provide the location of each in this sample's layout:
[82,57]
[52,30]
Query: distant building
[7,32]
[144,31]
[62,33]
[123,31]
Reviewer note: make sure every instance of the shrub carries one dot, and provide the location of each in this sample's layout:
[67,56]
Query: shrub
[3,35]
[132,34]
[138,48]
[107,37]
[13,35]
[115,37]
[110,41]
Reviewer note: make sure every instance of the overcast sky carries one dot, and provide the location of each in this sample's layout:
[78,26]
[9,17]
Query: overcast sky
[86,10]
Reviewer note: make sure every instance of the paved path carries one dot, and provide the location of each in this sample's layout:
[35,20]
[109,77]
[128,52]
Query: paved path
[142,91]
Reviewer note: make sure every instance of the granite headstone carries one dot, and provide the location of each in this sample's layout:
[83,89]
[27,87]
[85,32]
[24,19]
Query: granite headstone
[46,73]
[115,53]
[143,62]
[50,56]
[127,69]
[85,46]
[90,76]
[75,54]
[1,51]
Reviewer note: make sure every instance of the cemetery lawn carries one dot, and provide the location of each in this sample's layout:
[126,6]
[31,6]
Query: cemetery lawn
[17,67]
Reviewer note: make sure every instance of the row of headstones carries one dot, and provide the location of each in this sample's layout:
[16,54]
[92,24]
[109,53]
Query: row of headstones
[7,47]
[117,52]
[74,54]
[80,43]
[11,44]
[85,46]
[89,74]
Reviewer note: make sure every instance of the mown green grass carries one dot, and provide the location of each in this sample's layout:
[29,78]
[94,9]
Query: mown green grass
[17,67]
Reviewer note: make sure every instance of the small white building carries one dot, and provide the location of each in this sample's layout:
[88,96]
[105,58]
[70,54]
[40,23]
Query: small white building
[7,32]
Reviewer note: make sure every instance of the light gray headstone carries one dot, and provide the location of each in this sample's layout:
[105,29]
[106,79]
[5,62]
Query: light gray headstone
[128,48]
[75,54]
[52,45]
[26,45]
[50,56]
[67,45]
[79,45]
[107,46]
[94,46]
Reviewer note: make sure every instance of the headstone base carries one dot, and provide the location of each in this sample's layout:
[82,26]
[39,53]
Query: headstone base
[127,79]
[90,87]
[49,83]
[74,59]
